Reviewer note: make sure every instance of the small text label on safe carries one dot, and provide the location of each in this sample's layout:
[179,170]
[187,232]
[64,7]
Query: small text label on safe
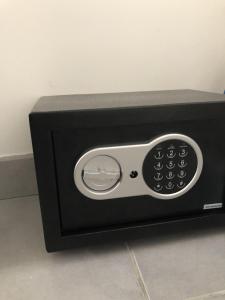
[213,205]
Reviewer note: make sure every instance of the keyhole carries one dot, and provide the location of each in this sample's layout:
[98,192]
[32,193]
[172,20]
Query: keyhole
[133,174]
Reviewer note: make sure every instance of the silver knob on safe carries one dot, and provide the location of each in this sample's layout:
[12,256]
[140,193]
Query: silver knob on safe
[101,173]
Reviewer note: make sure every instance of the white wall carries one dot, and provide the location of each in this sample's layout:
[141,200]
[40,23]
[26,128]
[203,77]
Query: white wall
[87,46]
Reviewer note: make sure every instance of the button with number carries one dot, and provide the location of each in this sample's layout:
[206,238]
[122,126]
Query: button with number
[158,176]
[159,154]
[182,163]
[170,175]
[170,164]
[171,153]
[158,166]
[183,152]
[181,174]
[169,185]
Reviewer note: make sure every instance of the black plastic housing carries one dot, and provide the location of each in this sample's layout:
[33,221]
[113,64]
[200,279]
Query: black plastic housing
[65,127]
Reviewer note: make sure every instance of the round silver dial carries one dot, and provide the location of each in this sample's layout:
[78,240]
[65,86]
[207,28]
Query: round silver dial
[101,173]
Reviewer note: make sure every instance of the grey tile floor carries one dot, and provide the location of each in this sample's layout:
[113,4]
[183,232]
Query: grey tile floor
[178,266]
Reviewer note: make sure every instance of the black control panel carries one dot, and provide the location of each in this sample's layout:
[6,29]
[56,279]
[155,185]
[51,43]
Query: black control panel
[170,166]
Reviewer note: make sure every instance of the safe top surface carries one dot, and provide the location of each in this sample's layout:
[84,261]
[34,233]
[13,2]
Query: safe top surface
[120,100]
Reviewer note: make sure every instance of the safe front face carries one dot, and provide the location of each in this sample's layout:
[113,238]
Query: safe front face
[157,180]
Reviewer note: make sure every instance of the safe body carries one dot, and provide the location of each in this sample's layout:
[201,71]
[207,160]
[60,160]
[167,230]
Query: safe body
[81,204]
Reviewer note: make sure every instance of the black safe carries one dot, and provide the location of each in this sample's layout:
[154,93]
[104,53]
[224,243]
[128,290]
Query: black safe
[109,166]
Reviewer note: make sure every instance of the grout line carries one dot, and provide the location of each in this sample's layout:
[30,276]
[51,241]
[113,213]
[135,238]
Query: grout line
[140,278]
[11,157]
[208,296]
[18,197]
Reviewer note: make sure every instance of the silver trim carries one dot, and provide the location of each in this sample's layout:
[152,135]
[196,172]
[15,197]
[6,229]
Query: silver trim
[131,157]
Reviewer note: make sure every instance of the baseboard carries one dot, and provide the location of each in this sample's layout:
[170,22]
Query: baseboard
[17,176]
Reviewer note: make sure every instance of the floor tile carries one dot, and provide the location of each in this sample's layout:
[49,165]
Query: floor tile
[212,296]
[27,271]
[179,266]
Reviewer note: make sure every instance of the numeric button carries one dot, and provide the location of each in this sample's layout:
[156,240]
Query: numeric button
[181,174]
[183,152]
[158,176]
[159,154]
[169,185]
[170,164]
[171,153]
[158,166]
[182,164]
[170,175]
